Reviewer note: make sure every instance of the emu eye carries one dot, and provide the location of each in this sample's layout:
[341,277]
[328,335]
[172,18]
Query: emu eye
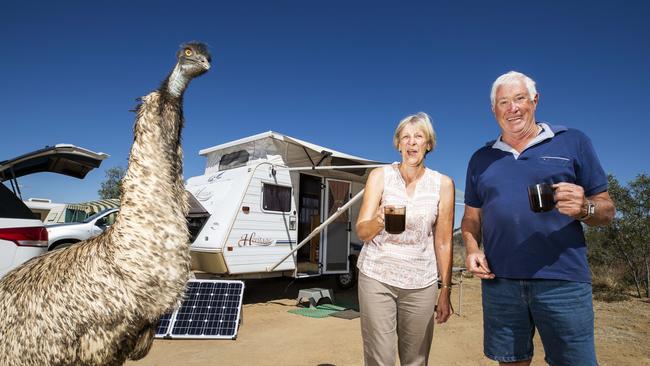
[188,52]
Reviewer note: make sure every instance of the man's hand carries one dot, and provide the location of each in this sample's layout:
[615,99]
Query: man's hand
[477,264]
[570,199]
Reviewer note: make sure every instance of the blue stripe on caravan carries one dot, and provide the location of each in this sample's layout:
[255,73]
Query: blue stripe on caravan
[285,242]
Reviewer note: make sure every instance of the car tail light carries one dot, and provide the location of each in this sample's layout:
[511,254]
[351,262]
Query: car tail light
[26,236]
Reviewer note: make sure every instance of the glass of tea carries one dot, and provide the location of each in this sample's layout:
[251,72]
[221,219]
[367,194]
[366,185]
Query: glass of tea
[395,218]
[540,197]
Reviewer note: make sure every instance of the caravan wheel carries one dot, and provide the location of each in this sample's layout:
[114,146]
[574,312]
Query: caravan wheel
[346,281]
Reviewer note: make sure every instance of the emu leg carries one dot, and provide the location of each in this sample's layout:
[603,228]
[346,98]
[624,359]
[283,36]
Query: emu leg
[144,342]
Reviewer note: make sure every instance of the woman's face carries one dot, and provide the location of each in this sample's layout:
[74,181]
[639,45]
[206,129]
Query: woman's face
[413,145]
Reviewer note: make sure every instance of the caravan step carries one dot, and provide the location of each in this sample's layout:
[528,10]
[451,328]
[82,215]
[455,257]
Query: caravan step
[313,295]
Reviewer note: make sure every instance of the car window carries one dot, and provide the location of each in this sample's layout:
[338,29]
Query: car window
[11,207]
[94,216]
[110,219]
[107,220]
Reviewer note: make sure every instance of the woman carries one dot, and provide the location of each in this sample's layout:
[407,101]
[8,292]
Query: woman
[399,273]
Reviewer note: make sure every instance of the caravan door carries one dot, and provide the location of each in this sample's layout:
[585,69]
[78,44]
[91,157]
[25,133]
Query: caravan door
[335,247]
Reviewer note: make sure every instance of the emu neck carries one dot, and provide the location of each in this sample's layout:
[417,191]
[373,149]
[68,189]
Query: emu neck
[153,193]
[177,82]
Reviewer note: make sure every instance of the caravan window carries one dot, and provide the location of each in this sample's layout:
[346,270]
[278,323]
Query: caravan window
[276,198]
[233,160]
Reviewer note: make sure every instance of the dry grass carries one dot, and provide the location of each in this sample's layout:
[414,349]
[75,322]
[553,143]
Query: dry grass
[459,252]
[609,283]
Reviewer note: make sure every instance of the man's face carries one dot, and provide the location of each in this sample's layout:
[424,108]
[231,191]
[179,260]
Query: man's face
[513,108]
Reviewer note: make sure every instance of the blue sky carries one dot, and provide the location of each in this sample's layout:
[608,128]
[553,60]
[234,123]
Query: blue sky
[338,73]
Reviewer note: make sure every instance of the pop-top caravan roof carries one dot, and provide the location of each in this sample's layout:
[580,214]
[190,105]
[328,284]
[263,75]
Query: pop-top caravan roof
[281,150]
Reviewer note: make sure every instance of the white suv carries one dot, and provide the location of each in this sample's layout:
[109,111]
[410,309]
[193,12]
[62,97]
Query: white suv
[22,235]
[63,235]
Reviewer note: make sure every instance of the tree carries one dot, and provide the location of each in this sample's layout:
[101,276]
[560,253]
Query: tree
[112,186]
[627,239]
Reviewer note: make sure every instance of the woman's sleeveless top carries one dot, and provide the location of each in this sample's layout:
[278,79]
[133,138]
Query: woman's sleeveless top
[405,260]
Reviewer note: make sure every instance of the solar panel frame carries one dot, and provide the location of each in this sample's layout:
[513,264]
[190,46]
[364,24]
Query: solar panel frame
[211,309]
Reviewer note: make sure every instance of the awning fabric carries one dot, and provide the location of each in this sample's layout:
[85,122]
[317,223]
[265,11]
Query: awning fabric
[94,206]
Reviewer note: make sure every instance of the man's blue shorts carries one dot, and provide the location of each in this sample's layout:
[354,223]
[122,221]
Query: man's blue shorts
[562,312]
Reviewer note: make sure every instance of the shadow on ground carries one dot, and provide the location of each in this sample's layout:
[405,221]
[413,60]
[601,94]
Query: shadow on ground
[273,289]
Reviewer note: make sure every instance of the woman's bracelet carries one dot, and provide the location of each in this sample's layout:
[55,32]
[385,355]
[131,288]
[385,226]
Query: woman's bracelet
[446,286]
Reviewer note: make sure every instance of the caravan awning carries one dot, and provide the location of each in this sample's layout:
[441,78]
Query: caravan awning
[335,154]
[101,205]
[315,149]
[94,206]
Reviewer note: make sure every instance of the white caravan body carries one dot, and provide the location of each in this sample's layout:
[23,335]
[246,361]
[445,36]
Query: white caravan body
[266,193]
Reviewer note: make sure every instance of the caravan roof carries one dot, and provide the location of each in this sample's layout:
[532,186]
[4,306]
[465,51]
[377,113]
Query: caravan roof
[281,137]
[279,149]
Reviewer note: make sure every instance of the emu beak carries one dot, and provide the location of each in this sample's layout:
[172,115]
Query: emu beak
[204,63]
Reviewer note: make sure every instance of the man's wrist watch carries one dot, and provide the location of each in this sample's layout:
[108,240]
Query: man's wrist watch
[590,210]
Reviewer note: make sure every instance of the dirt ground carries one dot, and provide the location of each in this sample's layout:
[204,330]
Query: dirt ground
[270,335]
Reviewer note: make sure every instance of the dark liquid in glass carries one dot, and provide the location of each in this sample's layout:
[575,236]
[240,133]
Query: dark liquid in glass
[541,200]
[395,223]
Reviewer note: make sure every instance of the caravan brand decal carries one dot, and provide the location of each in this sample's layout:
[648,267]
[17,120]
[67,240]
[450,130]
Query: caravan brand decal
[252,240]
[215,177]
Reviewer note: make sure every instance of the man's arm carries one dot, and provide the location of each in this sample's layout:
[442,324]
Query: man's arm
[471,229]
[570,200]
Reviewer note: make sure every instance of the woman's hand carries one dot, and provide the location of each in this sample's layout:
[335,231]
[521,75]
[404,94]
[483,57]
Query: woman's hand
[380,218]
[443,307]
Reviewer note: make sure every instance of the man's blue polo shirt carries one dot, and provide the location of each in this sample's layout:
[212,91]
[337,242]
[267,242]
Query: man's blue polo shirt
[519,243]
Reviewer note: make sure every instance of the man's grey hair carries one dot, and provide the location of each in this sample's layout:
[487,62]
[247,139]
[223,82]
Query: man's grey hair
[512,77]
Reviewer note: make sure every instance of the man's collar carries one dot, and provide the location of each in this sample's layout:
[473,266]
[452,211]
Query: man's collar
[547,132]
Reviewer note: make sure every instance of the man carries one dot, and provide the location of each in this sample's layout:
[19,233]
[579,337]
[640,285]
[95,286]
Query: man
[534,270]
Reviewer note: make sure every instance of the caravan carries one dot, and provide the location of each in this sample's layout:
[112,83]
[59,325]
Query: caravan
[272,205]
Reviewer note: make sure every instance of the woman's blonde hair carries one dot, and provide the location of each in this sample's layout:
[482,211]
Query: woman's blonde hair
[423,122]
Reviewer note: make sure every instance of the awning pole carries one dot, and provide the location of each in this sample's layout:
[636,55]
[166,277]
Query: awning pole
[320,227]
[323,154]
[308,156]
[333,167]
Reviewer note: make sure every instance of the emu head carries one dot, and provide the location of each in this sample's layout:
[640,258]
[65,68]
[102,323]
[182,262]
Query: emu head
[193,59]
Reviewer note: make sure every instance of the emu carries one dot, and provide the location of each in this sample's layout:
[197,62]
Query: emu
[98,302]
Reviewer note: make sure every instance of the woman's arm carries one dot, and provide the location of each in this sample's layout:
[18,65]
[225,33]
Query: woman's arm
[443,246]
[371,220]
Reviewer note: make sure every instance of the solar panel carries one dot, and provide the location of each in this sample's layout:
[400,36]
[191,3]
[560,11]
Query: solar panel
[163,325]
[210,309]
